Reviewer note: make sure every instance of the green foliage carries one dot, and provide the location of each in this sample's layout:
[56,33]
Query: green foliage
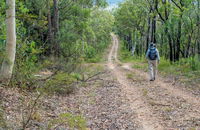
[97,35]
[2,31]
[125,55]
[76,76]
[176,35]
[130,75]
[61,83]
[194,63]
[25,64]
[174,25]
[188,69]
[183,66]
[73,121]
[90,52]
[84,33]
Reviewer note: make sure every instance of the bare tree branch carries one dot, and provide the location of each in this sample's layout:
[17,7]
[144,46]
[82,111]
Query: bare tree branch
[177,5]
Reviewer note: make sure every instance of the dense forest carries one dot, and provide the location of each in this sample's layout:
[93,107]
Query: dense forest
[60,66]
[174,25]
[68,31]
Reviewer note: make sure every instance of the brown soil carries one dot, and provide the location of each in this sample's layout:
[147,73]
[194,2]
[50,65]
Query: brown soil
[120,98]
[158,105]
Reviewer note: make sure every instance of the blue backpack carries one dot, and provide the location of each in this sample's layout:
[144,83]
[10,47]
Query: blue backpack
[153,54]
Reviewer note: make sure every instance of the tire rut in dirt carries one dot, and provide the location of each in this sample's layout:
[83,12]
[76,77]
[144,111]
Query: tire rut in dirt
[110,110]
[174,111]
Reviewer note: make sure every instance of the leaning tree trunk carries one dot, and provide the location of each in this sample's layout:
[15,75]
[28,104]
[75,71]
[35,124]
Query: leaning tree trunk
[8,63]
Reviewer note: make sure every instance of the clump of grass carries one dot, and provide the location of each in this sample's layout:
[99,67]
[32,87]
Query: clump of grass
[193,128]
[152,103]
[61,83]
[145,92]
[124,54]
[140,66]
[73,121]
[168,109]
[130,75]
[94,59]
[188,68]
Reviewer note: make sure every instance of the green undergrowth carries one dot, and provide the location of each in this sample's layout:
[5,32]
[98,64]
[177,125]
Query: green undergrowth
[187,69]
[95,59]
[138,62]
[98,55]
[66,72]
[65,82]
[125,55]
[61,83]
[73,121]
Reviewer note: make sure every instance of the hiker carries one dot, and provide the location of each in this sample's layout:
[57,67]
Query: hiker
[153,59]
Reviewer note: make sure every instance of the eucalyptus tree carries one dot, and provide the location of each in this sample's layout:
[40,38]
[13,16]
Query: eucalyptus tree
[8,63]
[172,24]
[131,23]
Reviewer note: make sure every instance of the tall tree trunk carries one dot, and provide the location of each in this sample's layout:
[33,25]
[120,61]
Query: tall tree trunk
[50,38]
[170,47]
[148,32]
[189,43]
[153,26]
[8,63]
[174,40]
[170,44]
[198,31]
[56,27]
[178,41]
[129,41]
[153,30]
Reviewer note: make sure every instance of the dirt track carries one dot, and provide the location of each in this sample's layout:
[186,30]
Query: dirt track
[158,105]
[121,98]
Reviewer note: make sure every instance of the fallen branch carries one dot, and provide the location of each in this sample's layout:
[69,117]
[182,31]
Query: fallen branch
[25,123]
[158,104]
[88,79]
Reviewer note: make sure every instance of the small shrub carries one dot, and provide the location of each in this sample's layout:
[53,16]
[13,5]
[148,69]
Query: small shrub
[90,52]
[94,59]
[25,65]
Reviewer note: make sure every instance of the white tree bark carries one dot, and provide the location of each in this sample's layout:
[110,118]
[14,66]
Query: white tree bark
[8,63]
